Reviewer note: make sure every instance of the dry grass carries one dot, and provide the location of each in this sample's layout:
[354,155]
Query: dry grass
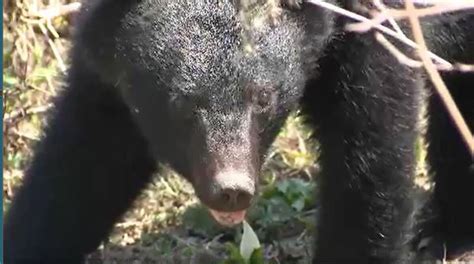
[31,77]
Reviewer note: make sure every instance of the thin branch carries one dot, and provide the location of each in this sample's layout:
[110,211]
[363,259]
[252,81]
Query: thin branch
[443,7]
[386,14]
[400,56]
[440,8]
[436,77]
[426,57]
[383,11]
[379,27]
[404,59]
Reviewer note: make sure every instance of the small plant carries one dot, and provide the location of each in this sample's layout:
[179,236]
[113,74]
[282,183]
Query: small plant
[250,251]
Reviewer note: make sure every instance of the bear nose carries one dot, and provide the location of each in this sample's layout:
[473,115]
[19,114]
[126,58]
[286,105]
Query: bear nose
[231,192]
[235,199]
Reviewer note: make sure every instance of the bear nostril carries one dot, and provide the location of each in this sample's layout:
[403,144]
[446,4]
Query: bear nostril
[235,199]
[228,197]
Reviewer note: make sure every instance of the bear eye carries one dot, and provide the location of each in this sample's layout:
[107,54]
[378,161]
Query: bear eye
[262,100]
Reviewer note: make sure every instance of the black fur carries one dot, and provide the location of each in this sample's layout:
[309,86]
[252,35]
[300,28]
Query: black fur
[181,82]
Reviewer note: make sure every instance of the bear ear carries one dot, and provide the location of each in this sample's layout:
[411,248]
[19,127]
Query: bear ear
[318,21]
[291,4]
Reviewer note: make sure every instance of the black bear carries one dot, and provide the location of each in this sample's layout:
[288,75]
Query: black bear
[204,86]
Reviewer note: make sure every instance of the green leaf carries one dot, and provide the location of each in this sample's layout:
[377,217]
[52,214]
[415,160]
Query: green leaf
[235,257]
[198,219]
[298,205]
[283,186]
[249,241]
[257,256]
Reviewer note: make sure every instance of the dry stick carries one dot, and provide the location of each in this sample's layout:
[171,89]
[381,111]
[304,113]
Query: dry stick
[383,12]
[446,7]
[400,56]
[436,77]
[404,59]
[400,14]
[379,27]
[392,14]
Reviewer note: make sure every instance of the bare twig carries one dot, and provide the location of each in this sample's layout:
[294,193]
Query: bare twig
[379,27]
[404,59]
[442,6]
[425,55]
[383,11]
[391,14]
[436,77]
[400,56]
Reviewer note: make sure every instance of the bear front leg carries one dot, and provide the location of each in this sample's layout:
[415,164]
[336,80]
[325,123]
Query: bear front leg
[365,107]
